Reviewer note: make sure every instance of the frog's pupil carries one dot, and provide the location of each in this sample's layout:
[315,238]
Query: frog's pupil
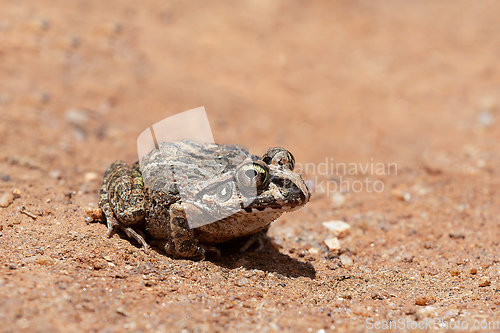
[251,174]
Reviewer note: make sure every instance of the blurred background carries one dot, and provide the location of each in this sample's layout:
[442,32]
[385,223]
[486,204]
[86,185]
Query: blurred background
[353,81]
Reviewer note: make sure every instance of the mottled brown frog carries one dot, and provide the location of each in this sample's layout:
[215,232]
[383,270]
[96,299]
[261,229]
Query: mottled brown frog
[192,196]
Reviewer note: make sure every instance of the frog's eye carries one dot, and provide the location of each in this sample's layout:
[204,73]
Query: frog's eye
[252,175]
[279,156]
[224,192]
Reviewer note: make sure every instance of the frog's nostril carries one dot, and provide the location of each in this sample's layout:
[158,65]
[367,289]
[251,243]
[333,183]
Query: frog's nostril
[282,182]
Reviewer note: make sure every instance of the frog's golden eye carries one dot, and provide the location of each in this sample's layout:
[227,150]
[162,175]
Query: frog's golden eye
[252,175]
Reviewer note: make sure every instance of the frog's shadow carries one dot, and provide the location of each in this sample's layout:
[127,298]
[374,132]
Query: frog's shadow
[268,259]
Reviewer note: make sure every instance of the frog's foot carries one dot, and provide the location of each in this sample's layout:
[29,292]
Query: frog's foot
[139,237]
[114,225]
[256,240]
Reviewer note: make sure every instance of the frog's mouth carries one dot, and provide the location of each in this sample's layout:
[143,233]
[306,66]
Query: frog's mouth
[285,194]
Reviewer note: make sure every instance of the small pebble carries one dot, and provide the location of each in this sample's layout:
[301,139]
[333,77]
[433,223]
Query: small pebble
[313,250]
[338,228]
[122,312]
[401,195]
[56,174]
[77,117]
[425,300]
[427,311]
[333,244]
[89,176]
[6,199]
[346,260]
[454,272]
[457,235]
[93,214]
[484,283]
[45,260]
[243,282]
[485,118]
[473,270]
[338,200]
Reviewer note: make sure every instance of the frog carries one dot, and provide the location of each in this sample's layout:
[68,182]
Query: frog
[189,197]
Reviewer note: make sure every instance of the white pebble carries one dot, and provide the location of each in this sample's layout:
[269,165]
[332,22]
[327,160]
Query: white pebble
[333,244]
[485,118]
[77,117]
[243,282]
[6,199]
[89,176]
[338,228]
[56,174]
[346,260]
[401,195]
[313,250]
[427,311]
[338,200]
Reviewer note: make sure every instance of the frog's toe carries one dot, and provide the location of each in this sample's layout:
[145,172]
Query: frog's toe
[111,229]
[135,235]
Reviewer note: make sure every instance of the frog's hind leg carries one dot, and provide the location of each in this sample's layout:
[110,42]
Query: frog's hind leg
[122,200]
[114,225]
[181,241]
[135,235]
[111,221]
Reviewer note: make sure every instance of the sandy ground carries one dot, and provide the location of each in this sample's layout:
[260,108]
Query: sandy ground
[413,85]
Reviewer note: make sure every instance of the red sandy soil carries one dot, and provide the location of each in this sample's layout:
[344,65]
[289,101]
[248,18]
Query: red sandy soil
[415,84]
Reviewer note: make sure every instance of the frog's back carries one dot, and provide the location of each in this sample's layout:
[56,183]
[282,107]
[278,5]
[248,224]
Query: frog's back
[189,162]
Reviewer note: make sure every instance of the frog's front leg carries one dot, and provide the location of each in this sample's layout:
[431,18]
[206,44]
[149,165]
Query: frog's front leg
[122,199]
